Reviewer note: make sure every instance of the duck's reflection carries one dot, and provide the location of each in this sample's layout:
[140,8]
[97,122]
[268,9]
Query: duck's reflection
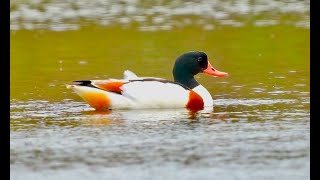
[101,118]
[160,116]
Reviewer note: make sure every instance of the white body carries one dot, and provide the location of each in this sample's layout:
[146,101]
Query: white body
[142,94]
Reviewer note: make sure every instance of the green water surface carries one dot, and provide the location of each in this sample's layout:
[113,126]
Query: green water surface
[42,62]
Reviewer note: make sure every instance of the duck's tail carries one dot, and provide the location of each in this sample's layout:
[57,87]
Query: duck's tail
[94,96]
[101,94]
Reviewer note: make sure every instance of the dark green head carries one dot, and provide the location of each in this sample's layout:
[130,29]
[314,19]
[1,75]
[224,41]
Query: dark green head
[191,63]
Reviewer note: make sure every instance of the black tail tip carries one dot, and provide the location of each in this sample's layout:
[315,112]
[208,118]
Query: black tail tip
[81,83]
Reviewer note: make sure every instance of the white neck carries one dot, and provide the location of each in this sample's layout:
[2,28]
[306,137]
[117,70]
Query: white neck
[206,96]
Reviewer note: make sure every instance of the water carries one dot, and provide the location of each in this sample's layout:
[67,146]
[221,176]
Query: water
[258,128]
[243,139]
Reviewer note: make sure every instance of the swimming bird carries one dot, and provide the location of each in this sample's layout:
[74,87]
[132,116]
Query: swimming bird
[134,92]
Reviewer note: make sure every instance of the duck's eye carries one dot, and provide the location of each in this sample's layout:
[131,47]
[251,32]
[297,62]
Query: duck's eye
[202,63]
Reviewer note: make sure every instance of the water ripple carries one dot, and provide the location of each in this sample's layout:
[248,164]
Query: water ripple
[249,136]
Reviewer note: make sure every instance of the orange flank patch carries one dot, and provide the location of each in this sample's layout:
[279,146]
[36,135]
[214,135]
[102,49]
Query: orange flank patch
[99,101]
[110,86]
[195,102]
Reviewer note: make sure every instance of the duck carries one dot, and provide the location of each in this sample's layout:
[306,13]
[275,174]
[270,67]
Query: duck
[134,92]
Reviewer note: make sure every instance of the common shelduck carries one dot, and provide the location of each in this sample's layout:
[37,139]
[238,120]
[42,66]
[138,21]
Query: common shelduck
[133,92]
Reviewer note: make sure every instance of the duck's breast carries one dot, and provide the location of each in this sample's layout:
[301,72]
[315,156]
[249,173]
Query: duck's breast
[204,93]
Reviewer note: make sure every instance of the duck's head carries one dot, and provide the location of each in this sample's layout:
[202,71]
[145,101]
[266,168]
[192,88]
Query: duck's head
[191,63]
